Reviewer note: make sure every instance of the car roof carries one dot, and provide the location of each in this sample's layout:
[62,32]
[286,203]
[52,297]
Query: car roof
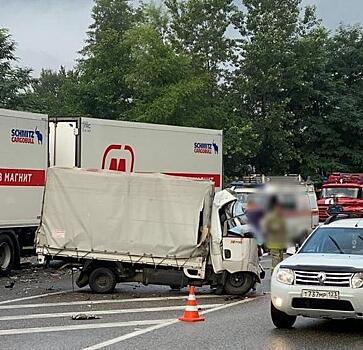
[353,223]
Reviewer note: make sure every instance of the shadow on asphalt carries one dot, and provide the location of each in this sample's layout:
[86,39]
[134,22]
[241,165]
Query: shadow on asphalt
[317,334]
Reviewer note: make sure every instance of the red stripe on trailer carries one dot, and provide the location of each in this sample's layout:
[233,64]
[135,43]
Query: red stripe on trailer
[216,178]
[22,177]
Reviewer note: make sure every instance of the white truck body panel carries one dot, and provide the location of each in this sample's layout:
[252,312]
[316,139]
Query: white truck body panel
[23,161]
[139,147]
[144,218]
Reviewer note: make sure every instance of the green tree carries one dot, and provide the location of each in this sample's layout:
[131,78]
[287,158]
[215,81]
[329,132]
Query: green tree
[55,93]
[105,59]
[272,76]
[165,87]
[198,27]
[14,81]
[334,138]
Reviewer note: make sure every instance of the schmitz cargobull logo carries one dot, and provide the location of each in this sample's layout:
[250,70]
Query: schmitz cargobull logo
[206,148]
[26,136]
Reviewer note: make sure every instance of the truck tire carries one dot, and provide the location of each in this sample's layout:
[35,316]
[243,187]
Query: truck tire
[239,283]
[102,280]
[6,254]
[280,319]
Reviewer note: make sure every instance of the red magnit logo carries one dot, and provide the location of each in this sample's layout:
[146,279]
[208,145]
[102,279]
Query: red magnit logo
[123,160]
[26,136]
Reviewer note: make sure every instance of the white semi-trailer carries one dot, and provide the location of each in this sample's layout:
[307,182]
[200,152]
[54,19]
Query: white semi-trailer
[23,161]
[29,144]
[137,147]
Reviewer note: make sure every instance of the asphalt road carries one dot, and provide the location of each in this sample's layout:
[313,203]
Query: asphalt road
[139,317]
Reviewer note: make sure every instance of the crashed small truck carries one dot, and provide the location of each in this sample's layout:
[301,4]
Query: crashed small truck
[148,228]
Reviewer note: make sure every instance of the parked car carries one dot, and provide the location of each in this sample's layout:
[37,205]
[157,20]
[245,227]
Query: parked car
[324,279]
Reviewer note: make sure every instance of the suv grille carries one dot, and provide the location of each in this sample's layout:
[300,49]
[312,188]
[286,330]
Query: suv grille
[313,278]
[322,304]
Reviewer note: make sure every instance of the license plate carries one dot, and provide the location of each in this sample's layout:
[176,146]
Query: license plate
[320,294]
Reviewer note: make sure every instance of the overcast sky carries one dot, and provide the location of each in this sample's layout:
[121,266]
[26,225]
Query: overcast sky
[50,32]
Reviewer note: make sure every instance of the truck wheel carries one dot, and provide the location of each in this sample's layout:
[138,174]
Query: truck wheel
[280,319]
[6,254]
[239,283]
[102,280]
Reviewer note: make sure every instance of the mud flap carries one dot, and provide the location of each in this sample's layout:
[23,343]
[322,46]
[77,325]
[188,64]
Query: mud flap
[82,279]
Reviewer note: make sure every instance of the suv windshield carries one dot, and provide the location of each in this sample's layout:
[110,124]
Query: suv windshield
[340,192]
[334,240]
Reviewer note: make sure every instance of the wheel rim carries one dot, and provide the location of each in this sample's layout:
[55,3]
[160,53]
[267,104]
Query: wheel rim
[237,279]
[5,255]
[103,281]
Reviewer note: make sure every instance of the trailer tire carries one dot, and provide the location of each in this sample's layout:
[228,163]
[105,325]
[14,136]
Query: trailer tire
[239,283]
[102,280]
[7,254]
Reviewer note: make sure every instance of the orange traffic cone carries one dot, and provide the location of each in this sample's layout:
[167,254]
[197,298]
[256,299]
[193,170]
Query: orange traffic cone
[191,313]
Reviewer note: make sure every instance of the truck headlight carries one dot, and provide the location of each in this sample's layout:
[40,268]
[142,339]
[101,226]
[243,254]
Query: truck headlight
[357,280]
[285,276]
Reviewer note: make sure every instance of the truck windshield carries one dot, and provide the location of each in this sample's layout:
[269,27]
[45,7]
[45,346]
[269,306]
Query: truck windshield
[340,192]
[334,240]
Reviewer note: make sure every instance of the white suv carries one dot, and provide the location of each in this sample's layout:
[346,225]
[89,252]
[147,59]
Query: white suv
[325,277]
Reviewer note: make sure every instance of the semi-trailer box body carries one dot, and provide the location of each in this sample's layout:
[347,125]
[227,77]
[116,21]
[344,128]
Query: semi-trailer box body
[23,162]
[137,147]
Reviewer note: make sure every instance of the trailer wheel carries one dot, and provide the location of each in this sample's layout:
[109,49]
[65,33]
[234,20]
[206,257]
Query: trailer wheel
[102,280]
[239,283]
[6,254]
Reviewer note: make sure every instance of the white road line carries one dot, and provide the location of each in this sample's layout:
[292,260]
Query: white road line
[33,297]
[158,326]
[100,312]
[79,327]
[95,302]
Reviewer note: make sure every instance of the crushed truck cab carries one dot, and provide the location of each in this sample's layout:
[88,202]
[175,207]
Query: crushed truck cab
[148,228]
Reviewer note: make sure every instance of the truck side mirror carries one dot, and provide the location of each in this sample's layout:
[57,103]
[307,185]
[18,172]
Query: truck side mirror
[291,251]
[335,209]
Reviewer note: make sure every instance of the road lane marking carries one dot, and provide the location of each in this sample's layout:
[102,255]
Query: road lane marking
[95,302]
[34,297]
[100,312]
[79,327]
[158,326]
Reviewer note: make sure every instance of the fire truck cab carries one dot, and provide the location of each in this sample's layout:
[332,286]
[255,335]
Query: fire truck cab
[343,189]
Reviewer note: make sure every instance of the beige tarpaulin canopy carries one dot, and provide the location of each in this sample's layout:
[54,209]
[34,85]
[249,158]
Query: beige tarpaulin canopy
[135,214]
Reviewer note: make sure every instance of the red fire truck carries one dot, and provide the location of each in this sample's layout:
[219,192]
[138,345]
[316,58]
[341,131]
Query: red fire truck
[343,189]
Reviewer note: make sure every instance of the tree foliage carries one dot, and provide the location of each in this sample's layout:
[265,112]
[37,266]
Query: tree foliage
[14,81]
[287,92]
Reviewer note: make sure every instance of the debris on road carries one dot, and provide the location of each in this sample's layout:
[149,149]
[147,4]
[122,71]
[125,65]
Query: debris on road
[10,284]
[85,317]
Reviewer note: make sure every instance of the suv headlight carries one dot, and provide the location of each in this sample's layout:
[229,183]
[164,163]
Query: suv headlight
[285,276]
[357,280]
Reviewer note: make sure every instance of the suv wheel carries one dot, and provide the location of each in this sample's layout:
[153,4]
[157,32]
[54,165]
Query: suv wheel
[280,319]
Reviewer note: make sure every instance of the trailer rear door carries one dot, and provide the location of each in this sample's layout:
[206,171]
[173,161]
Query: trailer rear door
[63,150]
